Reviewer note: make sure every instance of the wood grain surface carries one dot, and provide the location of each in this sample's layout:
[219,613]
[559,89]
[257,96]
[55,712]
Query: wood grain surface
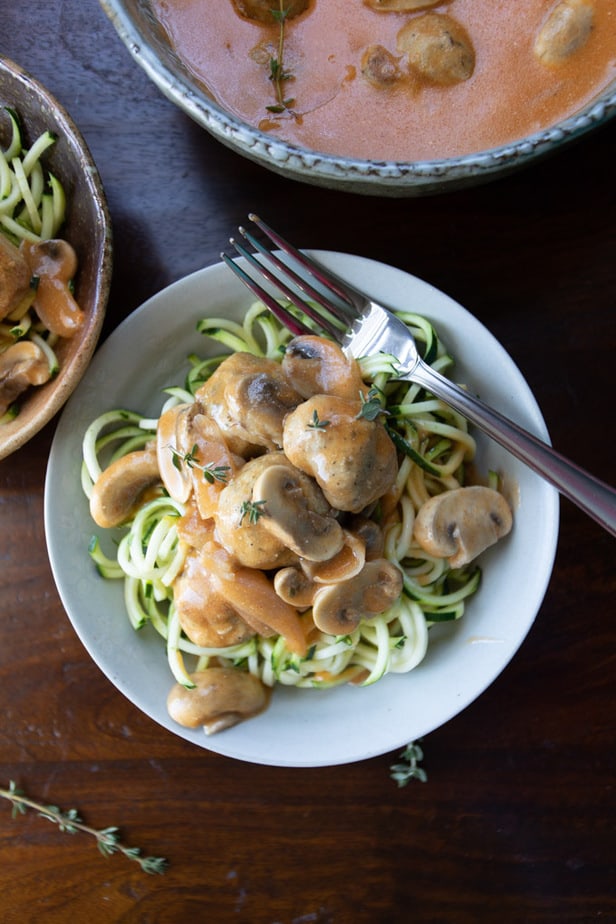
[516,820]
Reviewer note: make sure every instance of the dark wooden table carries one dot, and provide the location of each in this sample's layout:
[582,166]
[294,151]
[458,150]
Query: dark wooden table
[516,820]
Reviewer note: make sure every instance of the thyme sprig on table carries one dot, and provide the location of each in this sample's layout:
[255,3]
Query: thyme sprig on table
[403,773]
[107,839]
[279,75]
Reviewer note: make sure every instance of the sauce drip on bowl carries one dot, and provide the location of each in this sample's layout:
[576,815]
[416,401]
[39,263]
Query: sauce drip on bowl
[335,110]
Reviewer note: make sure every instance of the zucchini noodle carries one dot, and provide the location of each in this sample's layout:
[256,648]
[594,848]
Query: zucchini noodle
[434,447]
[32,208]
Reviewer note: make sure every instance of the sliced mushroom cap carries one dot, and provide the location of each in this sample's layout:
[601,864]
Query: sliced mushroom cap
[437,48]
[240,520]
[460,524]
[316,366]
[222,697]
[15,276]
[567,28]
[379,66]
[171,445]
[289,514]
[338,608]
[248,397]
[21,365]
[263,10]
[400,6]
[54,264]
[120,488]
[370,534]
[352,459]
[345,564]
[295,587]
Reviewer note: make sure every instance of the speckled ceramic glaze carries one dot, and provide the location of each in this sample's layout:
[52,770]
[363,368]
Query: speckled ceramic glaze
[146,41]
[87,228]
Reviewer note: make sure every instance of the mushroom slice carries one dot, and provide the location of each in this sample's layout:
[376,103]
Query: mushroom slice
[316,366]
[21,365]
[54,263]
[400,6]
[344,565]
[264,10]
[295,587]
[288,515]
[437,48]
[379,66]
[119,489]
[338,608]
[460,524]
[566,29]
[15,276]
[221,697]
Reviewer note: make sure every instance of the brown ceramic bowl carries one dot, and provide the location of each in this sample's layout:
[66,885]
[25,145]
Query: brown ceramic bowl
[87,228]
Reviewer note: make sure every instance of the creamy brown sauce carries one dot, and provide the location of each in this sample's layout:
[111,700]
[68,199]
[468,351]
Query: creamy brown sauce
[509,95]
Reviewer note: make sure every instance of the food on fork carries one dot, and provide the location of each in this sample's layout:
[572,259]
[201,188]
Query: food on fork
[267,517]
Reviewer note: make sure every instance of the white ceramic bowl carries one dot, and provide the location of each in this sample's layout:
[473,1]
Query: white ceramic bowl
[146,40]
[303,727]
[87,228]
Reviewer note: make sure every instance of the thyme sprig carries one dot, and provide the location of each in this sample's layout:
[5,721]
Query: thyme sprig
[107,839]
[403,773]
[251,509]
[316,423]
[279,75]
[211,472]
[371,404]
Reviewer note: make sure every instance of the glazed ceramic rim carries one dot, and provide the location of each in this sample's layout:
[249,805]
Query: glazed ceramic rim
[377,177]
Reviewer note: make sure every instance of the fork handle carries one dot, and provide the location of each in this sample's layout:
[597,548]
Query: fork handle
[591,495]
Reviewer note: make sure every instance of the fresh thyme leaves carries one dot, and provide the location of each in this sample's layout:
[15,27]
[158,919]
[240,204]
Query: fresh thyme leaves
[107,839]
[316,423]
[371,405]
[403,773]
[251,509]
[211,472]
[278,73]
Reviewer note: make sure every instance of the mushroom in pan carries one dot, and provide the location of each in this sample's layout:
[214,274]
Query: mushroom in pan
[566,29]
[119,489]
[379,67]
[221,697]
[437,48]
[21,365]
[460,524]
[338,608]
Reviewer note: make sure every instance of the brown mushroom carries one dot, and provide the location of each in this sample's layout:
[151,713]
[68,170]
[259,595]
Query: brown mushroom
[400,6]
[16,292]
[345,564]
[352,459]
[289,515]
[565,30]
[462,523]
[338,608]
[21,365]
[172,442]
[54,263]
[221,697]
[437,48]
[295,587]
[379,67]
[119,489]
[263,10]
[316,366]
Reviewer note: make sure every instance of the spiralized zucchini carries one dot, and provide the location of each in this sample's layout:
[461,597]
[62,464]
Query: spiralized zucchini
[435,447]
[33,208]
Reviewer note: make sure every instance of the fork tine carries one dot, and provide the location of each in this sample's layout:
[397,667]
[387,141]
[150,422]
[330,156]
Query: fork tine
[292,323]
[329,280]
[280,284]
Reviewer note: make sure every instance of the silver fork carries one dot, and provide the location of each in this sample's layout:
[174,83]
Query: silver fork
[363,327]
